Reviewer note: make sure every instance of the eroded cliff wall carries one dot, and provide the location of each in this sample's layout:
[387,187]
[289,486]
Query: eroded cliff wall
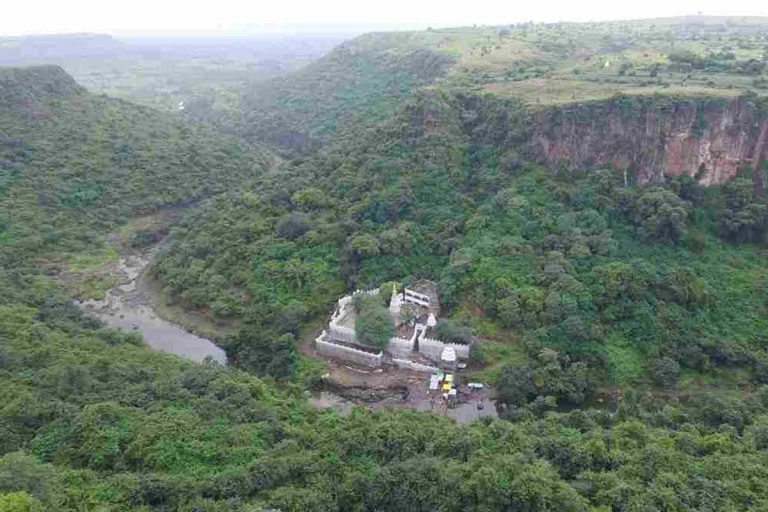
[710,139]
[650,137]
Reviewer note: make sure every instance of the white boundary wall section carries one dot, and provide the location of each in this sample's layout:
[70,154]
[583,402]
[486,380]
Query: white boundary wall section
[433,349]
[411,365]
[374,291]
[340,332]
[342,302]
[397,347]
[331,349]
[400,347]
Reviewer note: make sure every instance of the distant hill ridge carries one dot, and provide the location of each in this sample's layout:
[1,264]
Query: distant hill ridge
[72,158]
[35,83]
[680,72]
[43,49]
[361,80]
[698,19]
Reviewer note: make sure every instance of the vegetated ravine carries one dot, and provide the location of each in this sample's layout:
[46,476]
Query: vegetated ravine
[574,277]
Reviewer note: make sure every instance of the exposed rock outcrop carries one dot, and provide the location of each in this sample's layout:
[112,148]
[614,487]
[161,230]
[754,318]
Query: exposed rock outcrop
[710,139]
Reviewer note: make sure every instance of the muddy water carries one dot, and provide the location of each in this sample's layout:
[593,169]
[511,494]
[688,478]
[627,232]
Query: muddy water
[127,307]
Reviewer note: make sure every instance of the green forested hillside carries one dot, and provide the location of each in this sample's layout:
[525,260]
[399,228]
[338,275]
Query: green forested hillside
[91,420]
[360,80]
[623,326]
[538,64]
[73,164]
[198,77]
[662,285]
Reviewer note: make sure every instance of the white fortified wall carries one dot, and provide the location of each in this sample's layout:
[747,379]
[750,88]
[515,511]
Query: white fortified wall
[400,347]
[411,365]
[433,348]
[337,331]
[330,349]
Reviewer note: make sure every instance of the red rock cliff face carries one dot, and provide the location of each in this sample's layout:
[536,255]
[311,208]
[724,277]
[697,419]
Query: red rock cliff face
[654,137]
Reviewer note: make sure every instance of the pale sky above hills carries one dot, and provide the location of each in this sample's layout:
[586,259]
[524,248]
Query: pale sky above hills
[239,17]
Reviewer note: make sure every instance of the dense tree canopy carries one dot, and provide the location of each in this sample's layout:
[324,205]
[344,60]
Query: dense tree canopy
[607,274]
[374,326]
[625,335]
[73,165]
[91,416]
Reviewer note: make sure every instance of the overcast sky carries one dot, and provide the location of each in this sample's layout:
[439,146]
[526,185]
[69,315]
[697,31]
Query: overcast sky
[200,17]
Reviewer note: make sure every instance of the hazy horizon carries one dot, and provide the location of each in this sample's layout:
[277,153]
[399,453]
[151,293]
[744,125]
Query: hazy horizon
[143,18]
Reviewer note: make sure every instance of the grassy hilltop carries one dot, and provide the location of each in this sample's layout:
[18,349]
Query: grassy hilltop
[541,65]
[564,63]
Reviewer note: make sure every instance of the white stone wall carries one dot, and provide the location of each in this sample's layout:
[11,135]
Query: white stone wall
[400,347]
[330,349]
[374,291]
[340,332]
[411,365]
[404,348]
[345,301]
[433,348]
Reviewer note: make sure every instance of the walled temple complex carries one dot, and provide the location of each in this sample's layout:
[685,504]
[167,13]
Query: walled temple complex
[414,311]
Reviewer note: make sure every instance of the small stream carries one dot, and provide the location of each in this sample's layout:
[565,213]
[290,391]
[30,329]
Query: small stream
[128,307]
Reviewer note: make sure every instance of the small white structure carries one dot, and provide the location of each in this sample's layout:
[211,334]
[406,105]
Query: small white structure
[431,321]
[448,357]
[395,303]
[407,296]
